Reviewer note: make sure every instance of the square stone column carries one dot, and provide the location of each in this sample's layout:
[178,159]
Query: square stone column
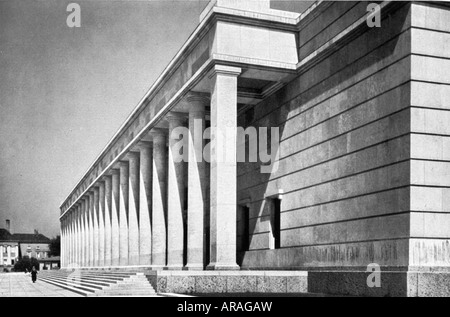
[115,228]
[67,239]
[197,182]
[123,212]
[159,199]
[101,224]
[81,222]
[95,230]
[91,228]
[70,227]
[66,220]
[133,209]
[72,236]
[108,219]
[86,231]
[223,168]
[79,233]
[175,195]
[145,202]
[66,244]
[83,232]
[63,243]
[75,241]
[75,237]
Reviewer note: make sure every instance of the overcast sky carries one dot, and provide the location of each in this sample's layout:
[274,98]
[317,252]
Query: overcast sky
[65,91]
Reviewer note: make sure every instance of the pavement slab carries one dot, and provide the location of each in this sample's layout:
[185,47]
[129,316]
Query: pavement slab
[20,285]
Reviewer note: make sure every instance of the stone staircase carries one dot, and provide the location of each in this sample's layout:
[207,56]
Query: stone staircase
[100,283]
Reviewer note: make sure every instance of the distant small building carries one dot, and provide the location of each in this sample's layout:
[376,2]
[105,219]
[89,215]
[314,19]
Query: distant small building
[9,249]
[50,263]
[15,246]
[34,245]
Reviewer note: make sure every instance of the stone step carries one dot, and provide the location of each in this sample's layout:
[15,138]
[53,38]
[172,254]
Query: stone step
[92,283]
[81,281]
[100,279]
[129,293]
[134,287]
[94,273]
[84,286]
[124,295]
[94,277]
[66,287]
[135,280]
[94,280]
[109,275]
[130,287]
[79,290]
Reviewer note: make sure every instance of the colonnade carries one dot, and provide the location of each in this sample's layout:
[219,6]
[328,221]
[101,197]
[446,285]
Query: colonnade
[149,209]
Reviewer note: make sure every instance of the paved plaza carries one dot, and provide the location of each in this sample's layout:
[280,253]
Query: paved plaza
[20,285]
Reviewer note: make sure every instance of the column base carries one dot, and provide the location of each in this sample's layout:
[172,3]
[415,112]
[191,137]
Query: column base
[157,267]
[222,267]
[115,262]
[174,267]
[193,267]
[145,260]
[123,262]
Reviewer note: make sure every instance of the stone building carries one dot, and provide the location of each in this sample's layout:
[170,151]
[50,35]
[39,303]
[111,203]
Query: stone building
[33,245]
[14,246]
[9,249]
[362,173]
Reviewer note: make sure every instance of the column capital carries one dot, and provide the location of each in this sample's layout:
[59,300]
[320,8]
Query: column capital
[141,145]
[115,170]
[131,156]
[225,70]
[197,101]
[174,116]
[123,163]
[158,132]
[159,136]
[99,182]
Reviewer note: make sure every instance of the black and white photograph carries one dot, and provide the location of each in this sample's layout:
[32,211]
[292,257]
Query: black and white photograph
[231,155]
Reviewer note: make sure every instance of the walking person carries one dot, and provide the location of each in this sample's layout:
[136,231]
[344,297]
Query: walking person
[33,274]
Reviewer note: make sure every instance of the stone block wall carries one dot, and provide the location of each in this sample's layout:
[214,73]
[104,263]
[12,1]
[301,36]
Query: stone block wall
[430,136]
[344,153]
[209,282]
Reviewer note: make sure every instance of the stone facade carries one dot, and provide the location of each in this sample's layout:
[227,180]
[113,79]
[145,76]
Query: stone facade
[14,246]
[363,159]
